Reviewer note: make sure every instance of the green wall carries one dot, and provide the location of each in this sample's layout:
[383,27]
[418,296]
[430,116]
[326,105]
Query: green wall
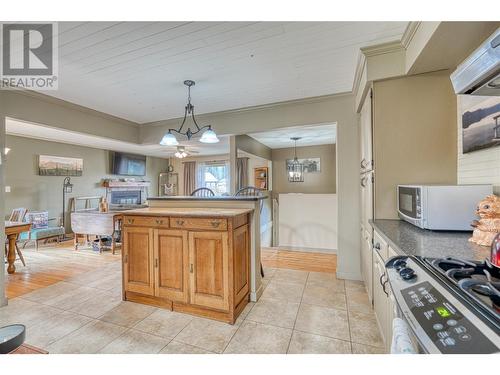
[35,192]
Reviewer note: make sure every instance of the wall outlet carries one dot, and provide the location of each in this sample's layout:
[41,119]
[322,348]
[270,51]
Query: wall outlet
[7,189]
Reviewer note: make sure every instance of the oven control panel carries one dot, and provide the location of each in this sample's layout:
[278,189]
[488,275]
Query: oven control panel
[449,330]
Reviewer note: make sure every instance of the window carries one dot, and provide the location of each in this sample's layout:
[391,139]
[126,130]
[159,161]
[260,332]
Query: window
[215,176]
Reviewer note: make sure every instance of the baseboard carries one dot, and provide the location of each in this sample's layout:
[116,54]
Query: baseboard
[255,296]
[349,276]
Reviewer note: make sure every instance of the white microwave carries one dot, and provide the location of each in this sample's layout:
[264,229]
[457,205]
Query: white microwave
[441,207]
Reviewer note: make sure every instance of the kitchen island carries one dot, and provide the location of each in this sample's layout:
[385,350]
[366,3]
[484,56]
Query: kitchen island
[189,259]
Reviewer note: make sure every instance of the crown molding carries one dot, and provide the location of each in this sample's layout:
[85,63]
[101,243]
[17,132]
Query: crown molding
[360,67]
[64,103]
[409,33]
[382,49]
[262,107]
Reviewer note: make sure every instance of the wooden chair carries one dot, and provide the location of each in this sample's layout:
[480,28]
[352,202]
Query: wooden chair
[249,191]
[203,192]
[252,191]
[17,214]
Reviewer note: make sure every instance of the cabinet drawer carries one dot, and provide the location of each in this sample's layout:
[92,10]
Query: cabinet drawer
[198,223]
[380,246]
[146,221]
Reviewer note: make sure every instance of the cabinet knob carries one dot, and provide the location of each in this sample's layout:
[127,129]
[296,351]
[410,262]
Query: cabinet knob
[130,221]
[158,221]
[180,222]
[215,223]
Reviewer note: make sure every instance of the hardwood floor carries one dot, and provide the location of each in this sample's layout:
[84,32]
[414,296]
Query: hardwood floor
[297,260]
[54,263]
[51,264]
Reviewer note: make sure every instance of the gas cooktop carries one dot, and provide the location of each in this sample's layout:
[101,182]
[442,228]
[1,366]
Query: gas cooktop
[479,280]
[450,304]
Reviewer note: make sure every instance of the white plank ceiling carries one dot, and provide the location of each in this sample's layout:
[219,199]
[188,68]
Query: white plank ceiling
[135,70]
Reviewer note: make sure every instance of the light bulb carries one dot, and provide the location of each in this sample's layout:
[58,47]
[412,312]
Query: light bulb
[169,140]
[209,136]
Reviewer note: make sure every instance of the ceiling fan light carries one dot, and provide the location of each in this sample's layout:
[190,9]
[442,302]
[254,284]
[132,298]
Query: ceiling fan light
[209,136]
[169,140]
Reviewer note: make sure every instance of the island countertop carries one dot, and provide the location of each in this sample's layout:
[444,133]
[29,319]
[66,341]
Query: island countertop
[188,211]
[241,198]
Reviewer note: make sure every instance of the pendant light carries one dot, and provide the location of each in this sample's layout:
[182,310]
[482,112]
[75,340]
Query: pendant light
[208,136]
[295,168]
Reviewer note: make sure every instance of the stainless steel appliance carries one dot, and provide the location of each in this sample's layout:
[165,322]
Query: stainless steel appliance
[451,306]
[479,74]
[440,207]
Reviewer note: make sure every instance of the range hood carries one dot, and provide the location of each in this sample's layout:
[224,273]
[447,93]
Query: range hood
[479,74]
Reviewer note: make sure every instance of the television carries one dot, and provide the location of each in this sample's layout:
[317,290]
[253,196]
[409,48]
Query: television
[128,164]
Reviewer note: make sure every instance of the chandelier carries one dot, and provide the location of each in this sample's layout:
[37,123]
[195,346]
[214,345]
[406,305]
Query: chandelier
[208,135]
[295,168]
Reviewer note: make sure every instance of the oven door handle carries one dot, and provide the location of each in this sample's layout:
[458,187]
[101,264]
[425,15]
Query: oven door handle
[382,274]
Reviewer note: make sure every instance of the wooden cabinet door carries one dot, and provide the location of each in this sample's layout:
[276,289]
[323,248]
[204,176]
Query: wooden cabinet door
[241,267]
[209,269]
[171,256]
[138,260]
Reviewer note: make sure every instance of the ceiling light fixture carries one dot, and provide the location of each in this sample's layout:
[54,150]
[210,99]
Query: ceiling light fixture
[181,152]
[208,135]
[295,168]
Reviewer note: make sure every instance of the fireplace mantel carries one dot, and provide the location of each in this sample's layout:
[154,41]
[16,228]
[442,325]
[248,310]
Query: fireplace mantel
[125,184]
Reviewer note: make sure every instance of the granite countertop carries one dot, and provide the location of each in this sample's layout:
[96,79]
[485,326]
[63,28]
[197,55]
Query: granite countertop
[218,198]
[407,239]
[205,212]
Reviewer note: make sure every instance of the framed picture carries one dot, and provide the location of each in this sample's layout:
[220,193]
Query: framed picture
[311,165]
[59,166]
[480,118]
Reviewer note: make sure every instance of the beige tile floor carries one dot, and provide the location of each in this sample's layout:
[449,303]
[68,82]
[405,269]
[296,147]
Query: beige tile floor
[299,312]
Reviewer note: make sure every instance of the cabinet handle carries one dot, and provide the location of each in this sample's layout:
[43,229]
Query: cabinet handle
[156,262]
[125,258]
[363,181]
[158,221]
[191,268]
[215,223]
[180,222]
[130,221]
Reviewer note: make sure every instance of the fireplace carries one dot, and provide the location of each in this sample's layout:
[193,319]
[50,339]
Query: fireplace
[125,197]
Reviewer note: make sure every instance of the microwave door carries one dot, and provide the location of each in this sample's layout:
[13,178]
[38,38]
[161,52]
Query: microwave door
[409,201]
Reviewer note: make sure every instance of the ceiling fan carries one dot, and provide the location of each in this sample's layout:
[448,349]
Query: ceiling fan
[181,152]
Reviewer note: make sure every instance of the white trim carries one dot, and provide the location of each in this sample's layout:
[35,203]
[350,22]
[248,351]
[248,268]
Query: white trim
[349,275]
[409,33]
[358,74]
[383,48]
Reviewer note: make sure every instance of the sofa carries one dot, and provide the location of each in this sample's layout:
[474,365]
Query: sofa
[40,229]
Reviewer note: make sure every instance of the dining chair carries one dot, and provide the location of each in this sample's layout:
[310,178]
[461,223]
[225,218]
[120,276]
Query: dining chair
[203,192]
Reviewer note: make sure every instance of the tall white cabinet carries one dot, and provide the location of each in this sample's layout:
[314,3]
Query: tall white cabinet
[366,181]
